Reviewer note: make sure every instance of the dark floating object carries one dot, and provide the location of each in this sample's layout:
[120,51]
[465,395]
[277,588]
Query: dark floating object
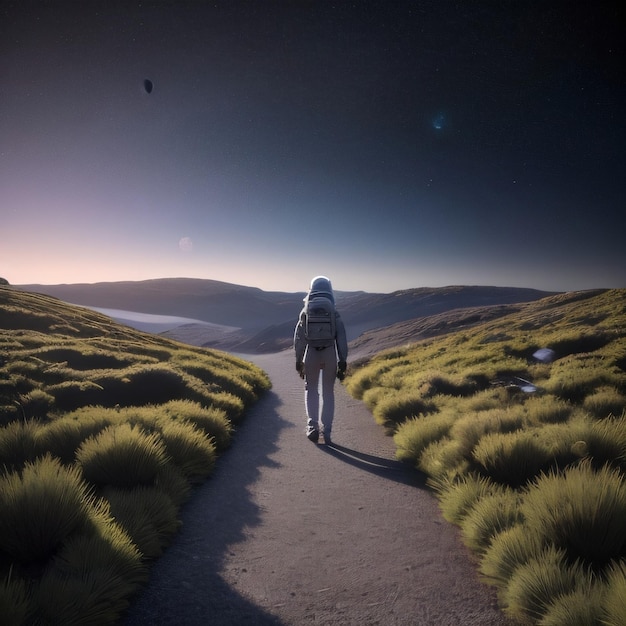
[147,85]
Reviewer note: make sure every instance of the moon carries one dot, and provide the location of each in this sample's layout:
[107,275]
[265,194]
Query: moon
[185,244]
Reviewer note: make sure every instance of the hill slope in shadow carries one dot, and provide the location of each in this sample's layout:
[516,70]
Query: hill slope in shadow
[263,322]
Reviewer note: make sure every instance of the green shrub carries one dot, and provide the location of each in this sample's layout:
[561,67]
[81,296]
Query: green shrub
[189,449]
[212,421]
[147,514]
[484,401]
[154,384]
[442,461]
[37,403]
[224,373]
[580,342]
[511,459]
[606,442]
[547,409]
[582,511]
[18,444]
[469,429]
[234,384]
[582,607]
[457,499]
[460,387]
[122,456]
[604,402]
[172,481]
[509,549]
[414,435]
[15,604]
[371,397]
[615,599]
[367,377]
[91,577]
[535,584]
[94,419]
[396,408]
[41,507]
[576,377]
[61,438]
[101,544]
[88,599]
[489,516]
[227,402]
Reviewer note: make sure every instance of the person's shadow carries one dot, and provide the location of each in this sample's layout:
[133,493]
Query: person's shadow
[387,468]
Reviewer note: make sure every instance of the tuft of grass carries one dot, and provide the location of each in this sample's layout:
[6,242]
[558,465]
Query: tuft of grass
[535,584]
[582,607]
[490,516]
[578,376]
[606,442]
[41,506]
[15,604]
[98,596]
[61,438]
[212,420]
[101,543]
[547,409]
[122,456]
[18,444]
[605,402]
[512,459]
[458,498]
[36,404]
[512,547]
[582,511]
[189,449]
[442,461]
[393,409]
[147,514]
[469,429]
[615,599]
[91,576]
[416,434]
[172,481]
[232,406]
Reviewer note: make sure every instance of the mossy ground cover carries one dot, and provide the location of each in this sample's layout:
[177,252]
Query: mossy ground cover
[527,456]
[104,430]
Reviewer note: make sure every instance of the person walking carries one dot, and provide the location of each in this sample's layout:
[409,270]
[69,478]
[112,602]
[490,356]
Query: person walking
[321,349]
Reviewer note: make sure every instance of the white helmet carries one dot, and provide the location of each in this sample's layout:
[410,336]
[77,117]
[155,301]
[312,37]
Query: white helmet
[321,286]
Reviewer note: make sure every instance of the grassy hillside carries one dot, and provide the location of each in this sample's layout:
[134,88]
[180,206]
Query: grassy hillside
[103,432]
[527,454]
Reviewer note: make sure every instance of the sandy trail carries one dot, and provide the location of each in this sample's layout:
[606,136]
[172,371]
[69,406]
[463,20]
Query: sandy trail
[287,532]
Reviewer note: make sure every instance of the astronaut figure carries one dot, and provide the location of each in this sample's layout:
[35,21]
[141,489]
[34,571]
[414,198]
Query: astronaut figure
[321,351]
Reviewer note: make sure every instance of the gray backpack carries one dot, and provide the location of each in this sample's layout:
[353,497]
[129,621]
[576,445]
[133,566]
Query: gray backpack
[320,328]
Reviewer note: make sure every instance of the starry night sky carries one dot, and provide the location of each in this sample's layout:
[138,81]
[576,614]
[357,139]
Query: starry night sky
[388,144]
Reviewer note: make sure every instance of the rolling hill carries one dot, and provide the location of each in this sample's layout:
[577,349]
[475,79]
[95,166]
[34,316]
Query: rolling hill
[256,321]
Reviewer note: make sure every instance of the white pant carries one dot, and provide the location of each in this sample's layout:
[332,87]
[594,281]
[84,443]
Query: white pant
[316,362]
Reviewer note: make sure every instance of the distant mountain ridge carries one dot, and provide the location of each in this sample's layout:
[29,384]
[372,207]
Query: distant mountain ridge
[264,321]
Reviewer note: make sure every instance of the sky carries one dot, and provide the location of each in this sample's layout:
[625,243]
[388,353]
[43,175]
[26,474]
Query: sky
[387,145]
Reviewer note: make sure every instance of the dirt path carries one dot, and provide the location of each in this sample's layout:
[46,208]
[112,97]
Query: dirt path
[290,533]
